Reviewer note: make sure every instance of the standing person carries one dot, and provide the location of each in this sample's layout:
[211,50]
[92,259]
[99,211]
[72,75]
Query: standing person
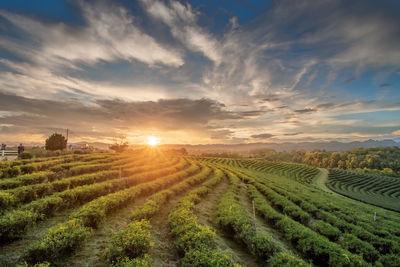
[3,148]
[21,149]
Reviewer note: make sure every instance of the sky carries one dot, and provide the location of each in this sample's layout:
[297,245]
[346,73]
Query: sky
[201,71]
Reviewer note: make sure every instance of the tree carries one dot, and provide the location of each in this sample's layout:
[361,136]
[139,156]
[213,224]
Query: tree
[120,145]
[56,142]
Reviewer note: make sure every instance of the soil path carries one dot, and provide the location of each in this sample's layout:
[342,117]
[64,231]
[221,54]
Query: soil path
[11,253]
[89,253]
[321,179]
[206,211]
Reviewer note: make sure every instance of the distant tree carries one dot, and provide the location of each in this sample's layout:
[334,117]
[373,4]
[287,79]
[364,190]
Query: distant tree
[56,142]
[119,145]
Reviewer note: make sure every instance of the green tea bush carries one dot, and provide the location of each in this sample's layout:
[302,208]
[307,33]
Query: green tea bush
[134,241]
[57,241]
[283,259]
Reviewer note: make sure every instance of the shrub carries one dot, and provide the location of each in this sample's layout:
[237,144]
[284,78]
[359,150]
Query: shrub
[10,172]
[28,168]
[136,262]
[57,242]
[390,260]
[206,257]
[134,241]
[25,155]
[283,259]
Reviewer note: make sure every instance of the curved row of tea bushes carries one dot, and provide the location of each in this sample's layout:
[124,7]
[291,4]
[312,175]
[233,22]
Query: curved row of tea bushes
[379,190]
[14,223]
[196,242]
[62,240]
[124,244]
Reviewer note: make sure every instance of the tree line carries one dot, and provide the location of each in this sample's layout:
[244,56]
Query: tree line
[381,160]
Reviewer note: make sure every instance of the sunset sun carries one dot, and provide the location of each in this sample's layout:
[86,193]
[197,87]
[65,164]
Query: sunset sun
[153,141]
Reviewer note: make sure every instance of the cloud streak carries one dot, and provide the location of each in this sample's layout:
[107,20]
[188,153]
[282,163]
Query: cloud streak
[109,35]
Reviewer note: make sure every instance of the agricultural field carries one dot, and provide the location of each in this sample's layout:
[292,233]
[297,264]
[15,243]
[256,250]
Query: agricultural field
[151,209]
[375,189]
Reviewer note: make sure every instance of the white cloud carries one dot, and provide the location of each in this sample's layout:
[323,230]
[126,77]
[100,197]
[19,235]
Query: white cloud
[110,34]
[182,21]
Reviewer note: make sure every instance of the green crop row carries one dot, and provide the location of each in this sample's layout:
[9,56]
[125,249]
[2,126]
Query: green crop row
[14,223]
[123,244]
[56,164]
[335,216]
[27,179]
[234,218]
[90,215]
[325,229]
[154,203]
[29,193]
[310,243]
[196,242]
[129,244]
[377,190]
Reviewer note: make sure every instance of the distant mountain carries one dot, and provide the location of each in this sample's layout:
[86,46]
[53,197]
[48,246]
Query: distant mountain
[328,146]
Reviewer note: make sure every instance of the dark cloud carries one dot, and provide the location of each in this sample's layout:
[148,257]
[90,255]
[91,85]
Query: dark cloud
[270,97]
[349,80]
[385,85]
[324,106]
[106,117]
[282,107]
[306,110]
[292,134]
[251,113]
[262,136]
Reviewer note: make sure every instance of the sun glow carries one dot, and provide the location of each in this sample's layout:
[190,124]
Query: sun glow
[153,141]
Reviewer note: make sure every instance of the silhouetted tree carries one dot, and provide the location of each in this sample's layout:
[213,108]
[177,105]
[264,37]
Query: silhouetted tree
[56,142]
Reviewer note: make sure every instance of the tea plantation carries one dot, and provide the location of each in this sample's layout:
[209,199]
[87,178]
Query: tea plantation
[151,209]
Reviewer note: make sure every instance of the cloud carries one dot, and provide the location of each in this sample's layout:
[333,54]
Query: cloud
[349,80]
[385,85]
[182,22]
[292,134]
[221,134]
[262,136]
[306,110]
[108,117]
[324,106]
[109,34]
[396,132]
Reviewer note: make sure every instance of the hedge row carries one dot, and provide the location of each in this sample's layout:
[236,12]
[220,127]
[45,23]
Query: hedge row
[340,221]
[29,193]
[196,242]
[310,243]
[28,179]
[55,165]
[90,215]
[14,223]
[234,218]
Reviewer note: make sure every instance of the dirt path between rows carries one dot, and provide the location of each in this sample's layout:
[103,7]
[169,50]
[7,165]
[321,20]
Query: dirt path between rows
[321,179]
[89,253]
[206,211]
[11,253]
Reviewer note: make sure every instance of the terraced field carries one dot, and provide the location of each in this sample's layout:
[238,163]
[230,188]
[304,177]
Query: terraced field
[378,190]
[150,209]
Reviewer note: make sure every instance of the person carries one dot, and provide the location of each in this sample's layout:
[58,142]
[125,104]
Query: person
[3,148]
[21,149]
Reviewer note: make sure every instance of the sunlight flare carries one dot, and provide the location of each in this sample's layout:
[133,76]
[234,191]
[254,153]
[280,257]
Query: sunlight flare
[153,141]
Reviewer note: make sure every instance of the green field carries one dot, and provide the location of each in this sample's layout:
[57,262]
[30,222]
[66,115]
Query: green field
[378,190]
[150,209]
